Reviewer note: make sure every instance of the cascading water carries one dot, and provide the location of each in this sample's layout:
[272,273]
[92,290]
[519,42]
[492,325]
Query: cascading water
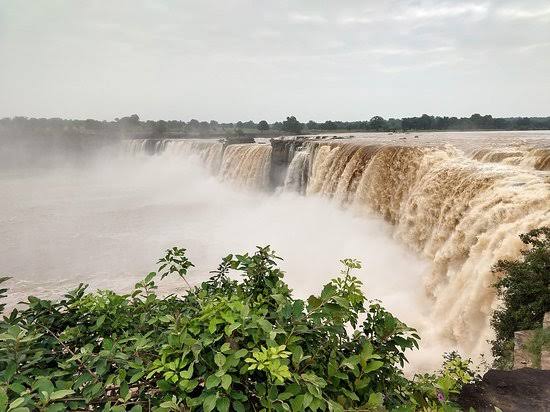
[247,165]
[296,177]
[461,211]
[461,214]
[521,155]
[209,152]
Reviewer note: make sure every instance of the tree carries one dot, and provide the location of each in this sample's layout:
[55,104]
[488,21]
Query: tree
[377,123]
[160,128]
[292,125]
[311,125]
[525,292]
[263,125]
[223,344]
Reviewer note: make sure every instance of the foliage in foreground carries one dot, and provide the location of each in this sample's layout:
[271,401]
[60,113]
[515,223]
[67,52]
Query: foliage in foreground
[525,292]
[224,345]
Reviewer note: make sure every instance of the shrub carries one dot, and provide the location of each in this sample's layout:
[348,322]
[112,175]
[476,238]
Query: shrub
[524,288]
[224,345]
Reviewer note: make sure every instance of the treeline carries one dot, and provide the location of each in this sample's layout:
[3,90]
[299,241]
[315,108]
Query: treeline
[426,122]
[136,127]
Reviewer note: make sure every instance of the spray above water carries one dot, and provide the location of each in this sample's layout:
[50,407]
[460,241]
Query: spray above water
[462,212]
[427,221]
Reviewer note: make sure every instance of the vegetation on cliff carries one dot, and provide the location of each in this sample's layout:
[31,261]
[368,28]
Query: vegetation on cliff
[224,345]
[524,288]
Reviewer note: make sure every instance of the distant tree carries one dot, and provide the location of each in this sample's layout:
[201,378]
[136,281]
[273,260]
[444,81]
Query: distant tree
[523,123]
[193,124]
[292,125]
[263,125]
[329,125]
[392,124]
[277,126]
[311,125]
[377,123]
[134,120]
[160,128]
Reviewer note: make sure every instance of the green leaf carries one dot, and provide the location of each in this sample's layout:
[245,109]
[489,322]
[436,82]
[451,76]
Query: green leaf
[3,400]
[231,327]
[137,376]
[238,406]
[376,400]
[335,407]
[328,292]
[297,355]
[209,402]
[222,404]
[314,379]
[212,381]
[265,325]
[149,277]
[372,366]
[240,353]
[226,381]
[16,403]
[60,394]
[56,407]
[297,308]
[124,390]
[219,359]
[100,321]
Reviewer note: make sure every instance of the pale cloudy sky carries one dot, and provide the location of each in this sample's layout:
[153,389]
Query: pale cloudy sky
[253,59]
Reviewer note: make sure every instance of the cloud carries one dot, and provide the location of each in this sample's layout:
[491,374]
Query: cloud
[525,14]
[534,46]
[355,20]
[184,52]
[448,10]
[306,18]
[409,51]
[418,66]
[416,14]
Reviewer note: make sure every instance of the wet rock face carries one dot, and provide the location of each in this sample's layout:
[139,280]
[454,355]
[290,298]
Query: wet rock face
[517,390]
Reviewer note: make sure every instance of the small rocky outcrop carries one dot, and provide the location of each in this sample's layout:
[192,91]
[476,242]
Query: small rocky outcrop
[518,390]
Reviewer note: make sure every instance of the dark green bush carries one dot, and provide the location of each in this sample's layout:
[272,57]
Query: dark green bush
[224,345]
[524,287]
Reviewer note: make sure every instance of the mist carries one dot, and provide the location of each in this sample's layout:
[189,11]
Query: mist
[106,224]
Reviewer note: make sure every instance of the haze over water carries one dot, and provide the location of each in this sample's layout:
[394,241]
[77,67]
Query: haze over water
[107,221]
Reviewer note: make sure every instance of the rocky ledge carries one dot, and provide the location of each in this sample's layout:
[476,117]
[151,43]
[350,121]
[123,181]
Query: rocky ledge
[516,390]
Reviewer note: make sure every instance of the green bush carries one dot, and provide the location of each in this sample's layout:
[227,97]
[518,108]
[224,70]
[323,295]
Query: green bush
[224,345]
[524,288]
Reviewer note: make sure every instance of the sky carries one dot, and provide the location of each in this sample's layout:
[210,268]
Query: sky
[232,60]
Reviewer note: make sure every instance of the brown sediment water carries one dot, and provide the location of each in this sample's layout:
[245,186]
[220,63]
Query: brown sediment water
[460,200]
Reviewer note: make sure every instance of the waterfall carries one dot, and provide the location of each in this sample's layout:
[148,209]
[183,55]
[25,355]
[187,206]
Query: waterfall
[461,210]
[208,151]
[297,174]
[521,155]
[247,165]
[462,214]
